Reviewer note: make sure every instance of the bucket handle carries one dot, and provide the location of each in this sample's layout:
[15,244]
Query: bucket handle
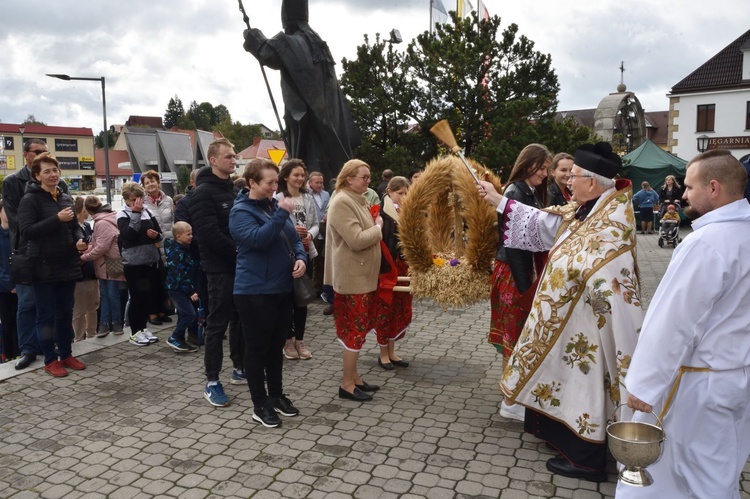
[653,413]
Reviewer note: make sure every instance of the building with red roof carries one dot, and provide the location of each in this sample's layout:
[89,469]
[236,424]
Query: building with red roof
[73,147]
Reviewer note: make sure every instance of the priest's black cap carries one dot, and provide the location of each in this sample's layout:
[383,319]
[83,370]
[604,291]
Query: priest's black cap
[598,158]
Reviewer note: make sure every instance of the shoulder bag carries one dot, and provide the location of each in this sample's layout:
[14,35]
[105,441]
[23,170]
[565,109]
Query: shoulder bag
[304,289]
[21,265]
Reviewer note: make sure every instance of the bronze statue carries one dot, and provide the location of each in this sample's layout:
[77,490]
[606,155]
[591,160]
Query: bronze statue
[319,126]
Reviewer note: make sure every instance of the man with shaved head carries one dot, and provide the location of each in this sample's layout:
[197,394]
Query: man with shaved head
[692,361]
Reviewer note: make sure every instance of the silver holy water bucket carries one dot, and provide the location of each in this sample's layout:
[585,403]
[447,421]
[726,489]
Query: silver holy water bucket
[636,445]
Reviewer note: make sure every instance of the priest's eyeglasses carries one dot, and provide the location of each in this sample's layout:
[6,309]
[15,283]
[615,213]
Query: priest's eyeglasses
[571,176]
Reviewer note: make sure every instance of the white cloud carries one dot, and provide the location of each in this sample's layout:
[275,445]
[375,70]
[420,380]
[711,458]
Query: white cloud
[149,51]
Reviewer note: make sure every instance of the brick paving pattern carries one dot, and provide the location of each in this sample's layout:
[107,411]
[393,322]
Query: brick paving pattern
[134,424]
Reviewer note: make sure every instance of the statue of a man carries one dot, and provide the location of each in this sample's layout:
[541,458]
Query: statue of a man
[319,126]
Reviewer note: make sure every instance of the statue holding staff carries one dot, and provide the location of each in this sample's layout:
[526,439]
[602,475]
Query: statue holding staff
[320,129]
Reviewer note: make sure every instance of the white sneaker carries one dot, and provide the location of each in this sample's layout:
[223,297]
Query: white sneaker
[515,411]
[139,339]
[149,336]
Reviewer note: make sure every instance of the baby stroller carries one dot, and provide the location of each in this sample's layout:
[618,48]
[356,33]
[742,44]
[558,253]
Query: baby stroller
[669,233]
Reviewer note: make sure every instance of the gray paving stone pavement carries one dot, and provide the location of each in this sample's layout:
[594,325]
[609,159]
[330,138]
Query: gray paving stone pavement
[134,424]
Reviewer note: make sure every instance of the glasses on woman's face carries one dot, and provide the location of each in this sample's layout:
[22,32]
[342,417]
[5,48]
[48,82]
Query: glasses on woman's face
[366,178]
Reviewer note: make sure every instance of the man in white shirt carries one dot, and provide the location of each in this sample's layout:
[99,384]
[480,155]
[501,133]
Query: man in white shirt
[692,360]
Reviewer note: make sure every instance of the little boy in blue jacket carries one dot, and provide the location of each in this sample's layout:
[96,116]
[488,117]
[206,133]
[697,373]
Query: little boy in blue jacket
[182,275]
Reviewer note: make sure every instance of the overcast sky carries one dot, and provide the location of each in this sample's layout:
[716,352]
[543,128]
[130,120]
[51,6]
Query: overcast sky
[150,50]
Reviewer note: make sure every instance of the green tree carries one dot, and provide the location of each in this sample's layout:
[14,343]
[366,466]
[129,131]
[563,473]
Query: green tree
[497,92]
[99,139]
[381,93]
[492,86]
[238,134]
[31,120]
[206,116]
[175,112]
[185,123]
[221,114]
[183,178]
[201,115]
[566,135]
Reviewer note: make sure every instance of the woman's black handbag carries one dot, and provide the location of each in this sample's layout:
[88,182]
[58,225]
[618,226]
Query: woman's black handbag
[304,289]
[22,264]
[22,268]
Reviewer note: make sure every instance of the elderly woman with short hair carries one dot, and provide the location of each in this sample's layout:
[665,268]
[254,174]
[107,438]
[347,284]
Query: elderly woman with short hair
[352,268]
[48,227]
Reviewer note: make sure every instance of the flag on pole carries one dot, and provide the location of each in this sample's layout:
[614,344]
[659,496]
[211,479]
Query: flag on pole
[482,11]
[468,7]
[438,13]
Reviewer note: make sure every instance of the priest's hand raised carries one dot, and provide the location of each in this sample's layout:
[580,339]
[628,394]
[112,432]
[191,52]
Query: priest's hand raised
[488,192]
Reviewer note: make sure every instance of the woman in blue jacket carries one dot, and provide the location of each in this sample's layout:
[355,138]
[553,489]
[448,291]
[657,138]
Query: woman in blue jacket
[269,256]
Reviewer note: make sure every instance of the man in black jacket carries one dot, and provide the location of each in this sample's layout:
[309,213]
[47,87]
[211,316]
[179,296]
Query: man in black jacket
[14,187]
[182,214]
[209,207]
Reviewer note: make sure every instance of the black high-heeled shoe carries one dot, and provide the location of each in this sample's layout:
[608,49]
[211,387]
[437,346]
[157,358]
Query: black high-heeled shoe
[388,366]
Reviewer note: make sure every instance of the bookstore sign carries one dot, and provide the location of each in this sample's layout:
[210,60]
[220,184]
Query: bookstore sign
[729,142]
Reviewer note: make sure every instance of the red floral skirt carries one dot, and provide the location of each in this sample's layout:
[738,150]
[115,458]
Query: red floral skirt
[354,316]
[507,318]
[393,318]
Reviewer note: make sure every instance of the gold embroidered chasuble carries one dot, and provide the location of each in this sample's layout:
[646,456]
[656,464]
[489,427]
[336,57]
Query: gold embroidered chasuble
[576,345]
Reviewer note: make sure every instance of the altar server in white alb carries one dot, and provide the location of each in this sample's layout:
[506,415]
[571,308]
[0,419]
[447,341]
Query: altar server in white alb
[692,361]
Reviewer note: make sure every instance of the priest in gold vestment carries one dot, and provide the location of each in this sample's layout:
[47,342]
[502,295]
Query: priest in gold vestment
[568,366]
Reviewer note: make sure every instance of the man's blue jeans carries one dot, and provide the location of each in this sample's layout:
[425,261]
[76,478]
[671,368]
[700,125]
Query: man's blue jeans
[28,342]
[186,314]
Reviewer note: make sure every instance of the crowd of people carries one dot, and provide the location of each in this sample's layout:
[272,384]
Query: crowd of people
[566,311]
[231,245]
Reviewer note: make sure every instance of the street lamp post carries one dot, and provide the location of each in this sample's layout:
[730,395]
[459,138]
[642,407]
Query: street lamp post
[108,182]
[23,159]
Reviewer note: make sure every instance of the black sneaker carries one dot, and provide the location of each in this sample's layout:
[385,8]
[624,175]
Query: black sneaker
[284,406]
[266,416]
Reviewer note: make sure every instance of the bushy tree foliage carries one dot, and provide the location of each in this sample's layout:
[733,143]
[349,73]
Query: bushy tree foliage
[99,139]
[238,134]
[175,111]
[496,90]
[31,120]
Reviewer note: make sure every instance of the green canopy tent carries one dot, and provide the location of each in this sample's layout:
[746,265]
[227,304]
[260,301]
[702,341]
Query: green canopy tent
[652,164]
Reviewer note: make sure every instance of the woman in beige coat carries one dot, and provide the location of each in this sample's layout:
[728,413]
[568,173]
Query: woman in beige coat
[352,268]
